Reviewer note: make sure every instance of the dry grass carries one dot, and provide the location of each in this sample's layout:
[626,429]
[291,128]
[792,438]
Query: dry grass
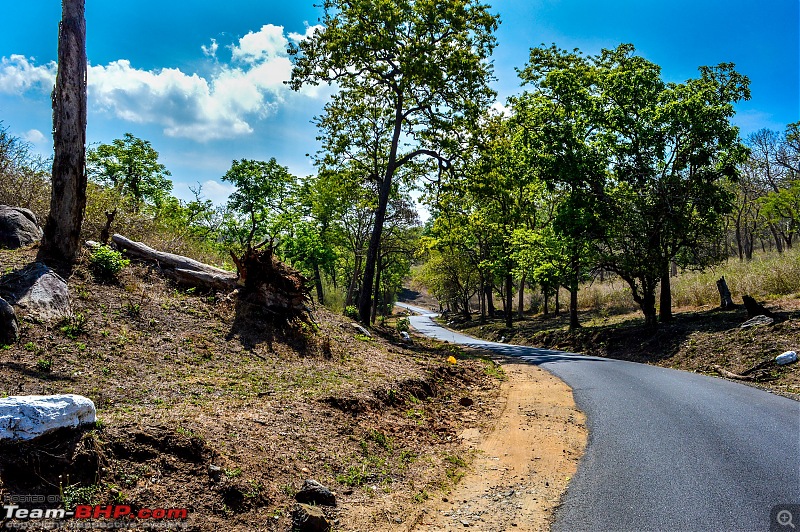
[768,276]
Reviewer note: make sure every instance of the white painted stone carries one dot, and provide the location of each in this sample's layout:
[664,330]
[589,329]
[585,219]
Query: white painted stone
[24,417]
[786,358]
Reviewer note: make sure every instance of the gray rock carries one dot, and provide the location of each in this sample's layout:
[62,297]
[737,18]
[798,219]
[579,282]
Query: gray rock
[405,337]
[9,326]
[307,518]
[757,322]
[25,417]
[18,227]
[313,492]
[37,292]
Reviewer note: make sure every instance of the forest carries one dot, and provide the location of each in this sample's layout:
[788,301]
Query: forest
[597,169]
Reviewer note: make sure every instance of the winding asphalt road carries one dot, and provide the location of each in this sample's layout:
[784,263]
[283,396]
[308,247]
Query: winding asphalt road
[668,450]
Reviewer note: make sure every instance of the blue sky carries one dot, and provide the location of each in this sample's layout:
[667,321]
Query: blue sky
[205,85]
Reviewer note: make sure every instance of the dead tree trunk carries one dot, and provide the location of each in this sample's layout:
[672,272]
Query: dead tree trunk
[726,302]
[61,240]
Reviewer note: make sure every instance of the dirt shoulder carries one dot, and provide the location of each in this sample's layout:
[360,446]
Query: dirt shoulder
[522,467]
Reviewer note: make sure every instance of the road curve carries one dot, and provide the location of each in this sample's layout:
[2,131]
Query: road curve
[668,450]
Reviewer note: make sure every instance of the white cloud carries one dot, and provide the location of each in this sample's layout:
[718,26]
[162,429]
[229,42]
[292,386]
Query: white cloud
[211,49]
[18,75]
[217,192]
[501,109]
[203,108]
[265,44]
[34,136]
[310,30]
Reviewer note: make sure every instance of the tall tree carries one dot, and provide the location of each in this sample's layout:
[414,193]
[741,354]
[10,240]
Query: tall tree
[423,66]
[61,240]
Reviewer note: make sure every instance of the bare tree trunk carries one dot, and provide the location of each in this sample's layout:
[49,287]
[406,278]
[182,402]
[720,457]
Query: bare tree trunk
[557,303]
[318,284]
[509,300]
[378,267]
[665,301]
[777,237]
[62,230]
[546,296]
[521,299]
[574,323]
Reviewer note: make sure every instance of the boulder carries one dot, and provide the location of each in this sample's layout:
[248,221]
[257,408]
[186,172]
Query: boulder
[25,417]
[37,292]
[315,493]
[307,518]
[9,326]
[18,227]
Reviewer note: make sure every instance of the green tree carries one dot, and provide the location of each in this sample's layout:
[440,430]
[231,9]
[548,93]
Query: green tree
[643,163]
[131,166]
[560,138]
[422,68]
[261,200]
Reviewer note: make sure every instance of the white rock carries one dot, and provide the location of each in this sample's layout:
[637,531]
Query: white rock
[24,417]
[786,358]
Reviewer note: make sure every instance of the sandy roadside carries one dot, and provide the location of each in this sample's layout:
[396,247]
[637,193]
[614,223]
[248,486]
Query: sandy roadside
[523,466]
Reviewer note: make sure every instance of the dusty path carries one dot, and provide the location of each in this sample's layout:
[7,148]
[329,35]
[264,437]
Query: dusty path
[523,466]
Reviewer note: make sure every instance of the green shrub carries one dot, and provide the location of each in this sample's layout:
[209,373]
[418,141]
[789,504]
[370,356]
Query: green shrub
[402,324]
[106,262]
[351,311]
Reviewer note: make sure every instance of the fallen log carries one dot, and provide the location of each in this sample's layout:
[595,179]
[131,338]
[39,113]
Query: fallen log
[725,373]
[183,269]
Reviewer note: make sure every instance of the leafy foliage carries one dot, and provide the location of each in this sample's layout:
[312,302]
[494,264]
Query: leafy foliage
[130,165]
[107,262]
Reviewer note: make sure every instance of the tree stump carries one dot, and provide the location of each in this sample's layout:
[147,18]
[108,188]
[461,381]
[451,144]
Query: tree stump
[755,309]
[726,302]
[271,284]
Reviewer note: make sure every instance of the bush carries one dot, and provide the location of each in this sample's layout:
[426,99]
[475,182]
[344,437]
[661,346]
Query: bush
[402,324]
[351,311]
[106,262]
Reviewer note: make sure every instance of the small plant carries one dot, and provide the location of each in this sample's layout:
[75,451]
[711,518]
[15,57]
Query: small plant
[30,346]
[74,325]
[73,495]
[407,456]
[233,473]
[134,310]
[351,311]
[402,324]
[380,438]
[44,364]
[107,263]
[455,460]
[353,477]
